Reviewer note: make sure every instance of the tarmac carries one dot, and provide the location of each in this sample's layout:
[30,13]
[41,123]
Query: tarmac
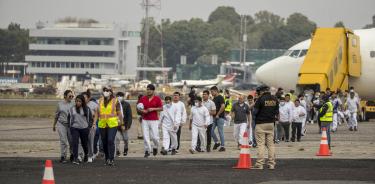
[25,144]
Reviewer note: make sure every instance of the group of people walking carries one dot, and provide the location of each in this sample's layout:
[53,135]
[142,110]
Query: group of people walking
[265,117]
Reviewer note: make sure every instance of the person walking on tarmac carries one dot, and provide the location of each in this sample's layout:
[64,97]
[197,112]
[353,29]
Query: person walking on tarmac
[81,122]
[122,130]
[266,111]
[228,107]
[63,127]
[326,117]
[109,118]
[150,120]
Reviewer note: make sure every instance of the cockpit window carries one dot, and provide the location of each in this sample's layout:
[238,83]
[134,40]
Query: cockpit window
[287,53]
[295,53]
[303,53]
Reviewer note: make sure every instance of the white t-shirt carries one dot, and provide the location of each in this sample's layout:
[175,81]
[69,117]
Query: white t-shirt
[200,116]
[210,105]
[352,104]
[286,113]
[170,117]
[182,111]
[297,114]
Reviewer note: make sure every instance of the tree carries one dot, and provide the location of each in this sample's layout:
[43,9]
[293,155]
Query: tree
[220,47]
[225,13]
[339,24]
[368,26]
[265,17]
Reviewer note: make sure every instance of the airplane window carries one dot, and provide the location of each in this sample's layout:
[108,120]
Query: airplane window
[372,54]
[287,53]
[295,53]
[303,53]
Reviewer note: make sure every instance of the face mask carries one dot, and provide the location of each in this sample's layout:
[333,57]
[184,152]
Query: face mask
[120,98]
[168,105]
[197,104]
[106,94]
[282,103]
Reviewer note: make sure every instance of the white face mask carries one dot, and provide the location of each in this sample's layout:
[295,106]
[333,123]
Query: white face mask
[106,94]
[197,104]
[168,105]
[282,103]
[120,98]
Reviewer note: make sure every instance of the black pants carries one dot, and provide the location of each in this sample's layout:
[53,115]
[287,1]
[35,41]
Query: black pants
[108,136]
[208,135]
[296,127]
[82,134]
[286,128]
[178,137]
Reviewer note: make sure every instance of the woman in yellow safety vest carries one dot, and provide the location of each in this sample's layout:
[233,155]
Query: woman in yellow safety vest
[109,114]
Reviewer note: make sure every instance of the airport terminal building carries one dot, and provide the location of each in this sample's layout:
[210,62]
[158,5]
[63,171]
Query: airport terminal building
[76,49]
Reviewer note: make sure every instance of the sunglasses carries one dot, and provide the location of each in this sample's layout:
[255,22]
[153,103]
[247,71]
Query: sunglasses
[71,96]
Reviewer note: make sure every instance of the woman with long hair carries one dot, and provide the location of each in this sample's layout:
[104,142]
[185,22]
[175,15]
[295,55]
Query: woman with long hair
[81,121]
[62,126]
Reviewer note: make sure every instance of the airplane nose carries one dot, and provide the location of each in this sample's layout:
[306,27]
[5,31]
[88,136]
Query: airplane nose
[280,72]
[266,73]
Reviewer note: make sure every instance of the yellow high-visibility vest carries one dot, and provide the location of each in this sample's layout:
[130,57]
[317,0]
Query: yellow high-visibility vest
[328,117]
[229,101]
[107,115]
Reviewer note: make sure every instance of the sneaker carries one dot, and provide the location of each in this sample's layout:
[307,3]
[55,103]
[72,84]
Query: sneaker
[125,152]
[154,151]
[277,141]
[89,160]
[191,151]
[140,137]
[174,152]
[271,167]
[293,140]
[63,160]
[355,128]
[85,158]
[208,148]
[216,145]
[117,153]
[147,154]
[106,162]
[76,161]
[111,163]
[258,167]
[198,149]
[164,152]
[71,158]
[287,140]
[222,149]
[351,129]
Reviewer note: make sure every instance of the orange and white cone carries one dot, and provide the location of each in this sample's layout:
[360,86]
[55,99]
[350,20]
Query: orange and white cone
[48,173]
[244,162]
[324,149]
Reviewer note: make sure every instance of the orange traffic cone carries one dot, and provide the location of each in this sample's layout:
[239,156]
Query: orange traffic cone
[48,173]
[244,162]
[324,149]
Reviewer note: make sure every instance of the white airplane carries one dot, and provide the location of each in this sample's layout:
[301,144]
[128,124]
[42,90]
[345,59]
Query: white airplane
[283,71]
[198,83]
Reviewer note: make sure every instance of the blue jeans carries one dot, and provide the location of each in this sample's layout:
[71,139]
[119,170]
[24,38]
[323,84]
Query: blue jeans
[219,123]
[328,127]
[108,136]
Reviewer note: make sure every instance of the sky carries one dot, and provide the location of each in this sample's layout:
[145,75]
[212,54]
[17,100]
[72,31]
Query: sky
[354,13]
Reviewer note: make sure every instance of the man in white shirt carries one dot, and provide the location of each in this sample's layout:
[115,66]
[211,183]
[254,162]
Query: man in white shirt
[182,112]
[299,114]
[336,102]
[210,105]
[170,119]
[199,120]
[353,106]
[303,103]
[285,119]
